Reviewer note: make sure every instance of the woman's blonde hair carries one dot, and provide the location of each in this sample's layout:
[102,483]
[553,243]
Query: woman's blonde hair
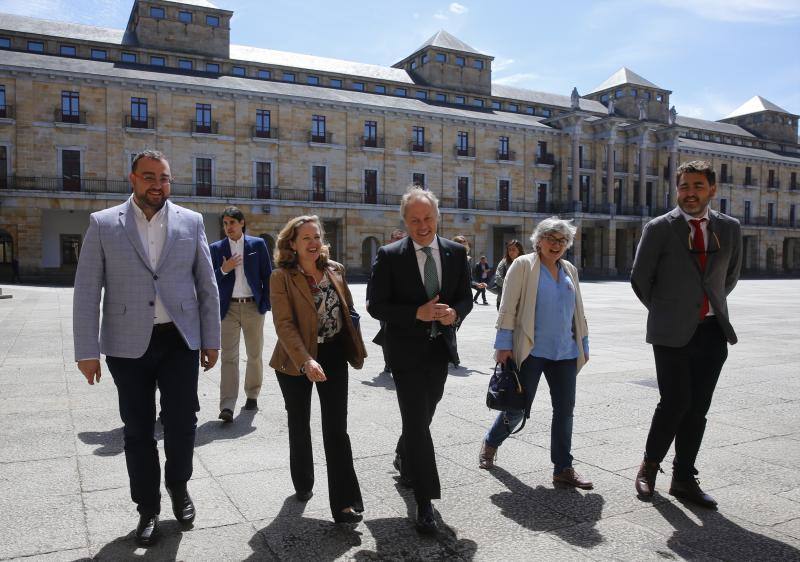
[285,256]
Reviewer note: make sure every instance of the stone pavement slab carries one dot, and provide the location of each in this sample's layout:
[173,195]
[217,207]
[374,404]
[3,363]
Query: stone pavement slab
[64,490]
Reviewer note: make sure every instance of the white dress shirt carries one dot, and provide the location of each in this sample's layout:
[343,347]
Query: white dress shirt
[422,256]
[153,234]
[704,228]
[241,288]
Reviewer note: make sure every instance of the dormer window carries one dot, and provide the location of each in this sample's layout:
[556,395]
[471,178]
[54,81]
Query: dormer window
[36,46]
[421,94]
[400,92]
[212,67]
[99,54]
[312,80]
[529,110]
[634,92]
[335,83]
[185,64]
[495,104]
[425,58]
[478,103]
[5,43]
[441,98]
[128,57]
[288,77]
[413,65]
[460,100]
[659,98]
[68,51]
[604,98]
[358,86]
[380,89]
[441,57]
[619,94]
[157,13]
[264,74]
[213,21]
[158,61]
[184,16]
[646,95]
[546,112]
[460,61]
[238,71]
[513,107]
[477,63]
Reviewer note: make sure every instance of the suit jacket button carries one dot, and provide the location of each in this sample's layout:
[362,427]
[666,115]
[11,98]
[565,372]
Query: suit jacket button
[155,277]
[151,303]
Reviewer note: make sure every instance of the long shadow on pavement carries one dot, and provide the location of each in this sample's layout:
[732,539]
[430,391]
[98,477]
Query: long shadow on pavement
[537,509]
[125,548]
[290,536]
[381,380]
[720,537]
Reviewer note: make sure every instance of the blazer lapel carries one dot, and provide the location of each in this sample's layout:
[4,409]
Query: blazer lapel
[173,216]
[682,232]
[446,258]
[713,241]
[128,221]
[410,257]
[301,285]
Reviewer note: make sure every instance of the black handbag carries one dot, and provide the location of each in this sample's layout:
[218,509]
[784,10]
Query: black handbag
[505,389]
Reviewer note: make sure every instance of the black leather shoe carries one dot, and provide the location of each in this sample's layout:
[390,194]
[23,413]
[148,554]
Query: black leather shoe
[147,530]
[304,496]
[690,491]
[182,507]
[226,415]
[426,521]
[347,517]
[251,404]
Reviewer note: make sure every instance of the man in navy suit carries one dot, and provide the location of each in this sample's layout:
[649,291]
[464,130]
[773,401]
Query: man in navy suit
[242,266]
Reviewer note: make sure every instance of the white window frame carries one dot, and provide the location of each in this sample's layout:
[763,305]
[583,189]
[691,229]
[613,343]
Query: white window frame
[271,172]
[311,167]
[363,183]
[510,186]
[213,158]
[59,162]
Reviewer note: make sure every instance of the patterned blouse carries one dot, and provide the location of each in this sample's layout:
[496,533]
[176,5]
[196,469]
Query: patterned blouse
[329,307]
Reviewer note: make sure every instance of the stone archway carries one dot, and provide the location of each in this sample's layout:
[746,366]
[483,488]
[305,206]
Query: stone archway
[791,255]
[7,259]
[369,249]
[270,241]
[772,265]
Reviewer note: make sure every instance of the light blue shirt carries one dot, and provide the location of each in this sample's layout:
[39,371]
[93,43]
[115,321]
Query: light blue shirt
[553,326]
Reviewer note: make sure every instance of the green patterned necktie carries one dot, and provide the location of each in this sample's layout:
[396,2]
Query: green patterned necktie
[431,283]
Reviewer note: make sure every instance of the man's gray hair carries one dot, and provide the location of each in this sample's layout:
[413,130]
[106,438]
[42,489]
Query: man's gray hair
[554,224]
[414,193]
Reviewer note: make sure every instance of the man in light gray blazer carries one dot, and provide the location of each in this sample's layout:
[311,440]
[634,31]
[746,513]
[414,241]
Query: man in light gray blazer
[687,263]
[160,312]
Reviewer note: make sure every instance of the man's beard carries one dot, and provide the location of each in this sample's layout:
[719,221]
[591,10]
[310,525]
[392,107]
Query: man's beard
[145,203]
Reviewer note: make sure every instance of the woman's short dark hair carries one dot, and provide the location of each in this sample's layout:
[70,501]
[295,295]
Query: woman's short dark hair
[234,213]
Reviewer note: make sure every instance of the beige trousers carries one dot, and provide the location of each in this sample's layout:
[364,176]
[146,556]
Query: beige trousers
[241,317]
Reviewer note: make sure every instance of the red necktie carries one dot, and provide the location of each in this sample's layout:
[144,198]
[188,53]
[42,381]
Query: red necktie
[699,245]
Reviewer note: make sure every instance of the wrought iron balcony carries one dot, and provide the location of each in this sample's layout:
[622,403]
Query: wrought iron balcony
[508,155]
[6,111]
[371,142]
[320,138]
[72,117]
[774,184]
[204,127]
[140,122]
[546,158]
[465,151]
[264,132]
[414,146]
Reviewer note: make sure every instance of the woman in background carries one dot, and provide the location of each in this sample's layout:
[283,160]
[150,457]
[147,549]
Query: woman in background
[514,249]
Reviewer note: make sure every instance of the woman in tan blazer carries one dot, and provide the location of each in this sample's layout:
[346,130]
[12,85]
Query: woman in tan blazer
[311,309]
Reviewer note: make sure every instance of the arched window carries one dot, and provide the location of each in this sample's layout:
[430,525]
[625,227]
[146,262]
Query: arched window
[6,247]
[369,249]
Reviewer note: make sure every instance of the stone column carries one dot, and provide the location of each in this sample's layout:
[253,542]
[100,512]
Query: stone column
[642,176]
[610,255]
[673,165]
[610,176]
[576,187]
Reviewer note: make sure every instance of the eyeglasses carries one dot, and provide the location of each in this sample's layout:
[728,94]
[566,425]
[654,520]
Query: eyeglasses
[710,250]
[152,179]
[553,240]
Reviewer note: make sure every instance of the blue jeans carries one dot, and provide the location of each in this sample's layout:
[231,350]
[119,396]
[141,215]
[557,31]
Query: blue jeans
[561,377]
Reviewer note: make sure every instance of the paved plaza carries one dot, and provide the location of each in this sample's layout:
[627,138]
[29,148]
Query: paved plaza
[64,491]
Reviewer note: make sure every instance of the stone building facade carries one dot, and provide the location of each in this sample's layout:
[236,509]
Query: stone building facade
[280,134]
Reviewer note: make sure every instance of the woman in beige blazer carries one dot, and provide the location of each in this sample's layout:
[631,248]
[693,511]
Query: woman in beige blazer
[542,327]
[311,309]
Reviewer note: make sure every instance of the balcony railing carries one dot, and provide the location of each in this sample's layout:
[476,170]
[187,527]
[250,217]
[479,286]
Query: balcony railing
[774,184]
[584,163]
[751,182]
[794,186]
[371,142]
[546,158]
[122,187]
[264,132]
[508,155]
[74,117]
[320,138]
[204,127]
[651,170]
[414,146]
[139,122]
[6,111]
[466,151]
[726,179]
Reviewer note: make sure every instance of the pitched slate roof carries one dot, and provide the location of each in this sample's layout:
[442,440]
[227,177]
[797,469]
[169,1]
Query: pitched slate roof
[715,126]
[734,150]
[624,76]
[756,104]
[77,31]
[545,98]
[445,40]
[100,69]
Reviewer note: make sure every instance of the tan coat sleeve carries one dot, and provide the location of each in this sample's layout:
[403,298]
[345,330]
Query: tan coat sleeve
[285,321]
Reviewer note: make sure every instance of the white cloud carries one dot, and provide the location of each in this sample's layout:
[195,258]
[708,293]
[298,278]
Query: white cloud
[458,9]
[440,16]
[751,11]
[500,64]
[518,79]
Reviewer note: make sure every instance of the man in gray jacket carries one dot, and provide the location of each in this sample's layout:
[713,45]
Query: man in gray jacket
[687,263]
[160,316]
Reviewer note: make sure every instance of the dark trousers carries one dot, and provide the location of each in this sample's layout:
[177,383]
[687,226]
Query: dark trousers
[687,377]
[480,293]
[343,488]
[418,393]
[174,368]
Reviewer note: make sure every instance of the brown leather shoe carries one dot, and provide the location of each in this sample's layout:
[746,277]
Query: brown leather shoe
[569,477]
[690,491]
[486,456]
[646,478]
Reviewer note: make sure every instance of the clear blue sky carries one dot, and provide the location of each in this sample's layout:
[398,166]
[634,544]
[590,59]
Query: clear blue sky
[713,54]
